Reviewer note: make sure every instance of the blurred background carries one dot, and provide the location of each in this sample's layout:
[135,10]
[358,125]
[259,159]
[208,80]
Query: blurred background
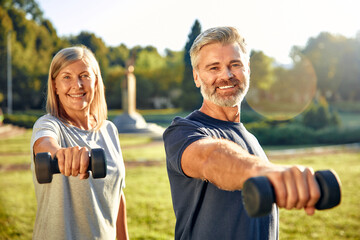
[305,56]
[304,93]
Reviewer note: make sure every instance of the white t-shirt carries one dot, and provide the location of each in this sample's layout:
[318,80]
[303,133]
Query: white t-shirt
[70,208]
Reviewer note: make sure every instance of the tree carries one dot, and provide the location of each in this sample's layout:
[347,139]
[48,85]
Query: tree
[117,56]
[30,7]
[96,45]
[32,47]
[318,115]
[336,61]
[190,97]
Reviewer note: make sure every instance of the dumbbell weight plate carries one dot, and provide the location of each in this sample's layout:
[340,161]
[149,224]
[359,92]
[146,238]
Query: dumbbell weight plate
[43,169]
[329,190]
[98,163]
[259,196]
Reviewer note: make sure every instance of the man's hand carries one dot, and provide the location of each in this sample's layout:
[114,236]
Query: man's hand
[295,187]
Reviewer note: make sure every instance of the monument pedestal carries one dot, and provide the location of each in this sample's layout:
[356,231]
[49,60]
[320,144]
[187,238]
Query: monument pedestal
[131,121]
[135,123]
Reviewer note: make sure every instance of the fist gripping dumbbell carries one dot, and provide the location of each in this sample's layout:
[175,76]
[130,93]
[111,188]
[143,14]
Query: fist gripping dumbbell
[46,166]
[258,193]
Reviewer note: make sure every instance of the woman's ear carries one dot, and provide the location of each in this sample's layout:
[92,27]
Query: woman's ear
[54,86]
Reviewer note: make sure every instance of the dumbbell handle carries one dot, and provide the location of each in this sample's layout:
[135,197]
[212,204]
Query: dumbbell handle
[55,165]
[259,195]
[46,166]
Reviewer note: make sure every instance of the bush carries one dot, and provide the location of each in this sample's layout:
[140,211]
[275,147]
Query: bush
[318,116]
[338,135]
[297,134]
[282,134]
[21,120]
[249,115]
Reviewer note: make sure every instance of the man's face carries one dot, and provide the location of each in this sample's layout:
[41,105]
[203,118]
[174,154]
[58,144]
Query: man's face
[222,74]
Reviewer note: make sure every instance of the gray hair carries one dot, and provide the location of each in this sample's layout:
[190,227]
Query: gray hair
[224,35]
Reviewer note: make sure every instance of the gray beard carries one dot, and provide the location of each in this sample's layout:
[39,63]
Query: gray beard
[230,101]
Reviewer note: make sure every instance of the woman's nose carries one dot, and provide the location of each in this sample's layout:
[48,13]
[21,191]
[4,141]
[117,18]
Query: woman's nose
[78,83]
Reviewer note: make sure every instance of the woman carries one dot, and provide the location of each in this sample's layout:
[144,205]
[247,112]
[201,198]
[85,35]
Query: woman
[74,205]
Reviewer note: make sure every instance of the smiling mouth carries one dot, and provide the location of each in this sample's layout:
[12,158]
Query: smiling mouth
[226,87]
[77,95]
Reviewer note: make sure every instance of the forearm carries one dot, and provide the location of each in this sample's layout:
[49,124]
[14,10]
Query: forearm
[121,223]
[229,169]
[228,166]
[46,144]
[222,162]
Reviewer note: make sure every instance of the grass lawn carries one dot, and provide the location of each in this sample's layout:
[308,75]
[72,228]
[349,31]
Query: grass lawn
[341,222]
[149,207]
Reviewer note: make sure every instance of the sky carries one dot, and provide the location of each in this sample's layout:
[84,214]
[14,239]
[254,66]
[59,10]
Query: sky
[272,26]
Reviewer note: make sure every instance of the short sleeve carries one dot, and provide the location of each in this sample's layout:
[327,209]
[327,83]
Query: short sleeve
[177,137]
[45,127]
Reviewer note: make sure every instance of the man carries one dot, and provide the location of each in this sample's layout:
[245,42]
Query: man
[210,154]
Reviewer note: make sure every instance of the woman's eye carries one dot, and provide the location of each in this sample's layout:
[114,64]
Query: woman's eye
[85,76]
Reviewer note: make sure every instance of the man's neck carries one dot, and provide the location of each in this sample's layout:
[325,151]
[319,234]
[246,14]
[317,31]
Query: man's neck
[231,114]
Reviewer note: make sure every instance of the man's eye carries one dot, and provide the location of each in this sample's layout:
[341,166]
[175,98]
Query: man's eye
[237,65]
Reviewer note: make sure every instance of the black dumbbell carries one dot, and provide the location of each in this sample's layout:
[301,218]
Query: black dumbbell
[258,193]
[46,166]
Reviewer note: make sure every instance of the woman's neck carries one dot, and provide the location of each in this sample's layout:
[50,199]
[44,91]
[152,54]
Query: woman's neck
[82,120]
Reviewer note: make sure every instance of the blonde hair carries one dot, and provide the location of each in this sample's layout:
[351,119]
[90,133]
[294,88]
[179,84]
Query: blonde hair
[63,58]
[224,35]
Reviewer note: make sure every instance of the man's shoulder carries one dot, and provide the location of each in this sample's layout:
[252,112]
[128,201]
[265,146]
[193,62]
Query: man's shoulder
[190,121]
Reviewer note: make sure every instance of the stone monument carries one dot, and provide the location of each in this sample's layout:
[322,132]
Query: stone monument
[130,121]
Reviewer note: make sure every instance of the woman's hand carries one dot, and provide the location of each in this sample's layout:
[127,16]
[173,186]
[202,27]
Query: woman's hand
[73,161]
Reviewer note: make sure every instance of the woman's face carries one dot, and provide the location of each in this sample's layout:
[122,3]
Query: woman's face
[75,86]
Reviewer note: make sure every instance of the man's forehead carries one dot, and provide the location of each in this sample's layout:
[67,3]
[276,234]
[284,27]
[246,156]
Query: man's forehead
[220,52]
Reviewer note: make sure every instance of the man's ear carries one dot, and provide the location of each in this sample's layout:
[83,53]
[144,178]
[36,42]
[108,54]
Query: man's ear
[196,78]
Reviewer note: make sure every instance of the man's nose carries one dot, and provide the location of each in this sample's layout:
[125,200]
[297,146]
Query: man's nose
[227,73]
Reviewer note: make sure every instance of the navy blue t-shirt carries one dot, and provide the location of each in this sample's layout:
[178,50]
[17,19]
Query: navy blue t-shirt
[202,210]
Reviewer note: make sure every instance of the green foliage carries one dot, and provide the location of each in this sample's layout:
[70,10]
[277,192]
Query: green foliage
[190,98]
[97,46]
[297,134]
[281,134]
[318,116]
[21,120]
[248,115]
[336,62]
[334,59]
[32,45]
[262,71]
[338,135]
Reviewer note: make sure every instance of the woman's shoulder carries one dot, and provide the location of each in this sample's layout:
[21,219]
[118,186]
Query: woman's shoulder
[109,126]
[47,118]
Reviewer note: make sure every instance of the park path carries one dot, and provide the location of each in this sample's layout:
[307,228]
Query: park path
[7,130]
